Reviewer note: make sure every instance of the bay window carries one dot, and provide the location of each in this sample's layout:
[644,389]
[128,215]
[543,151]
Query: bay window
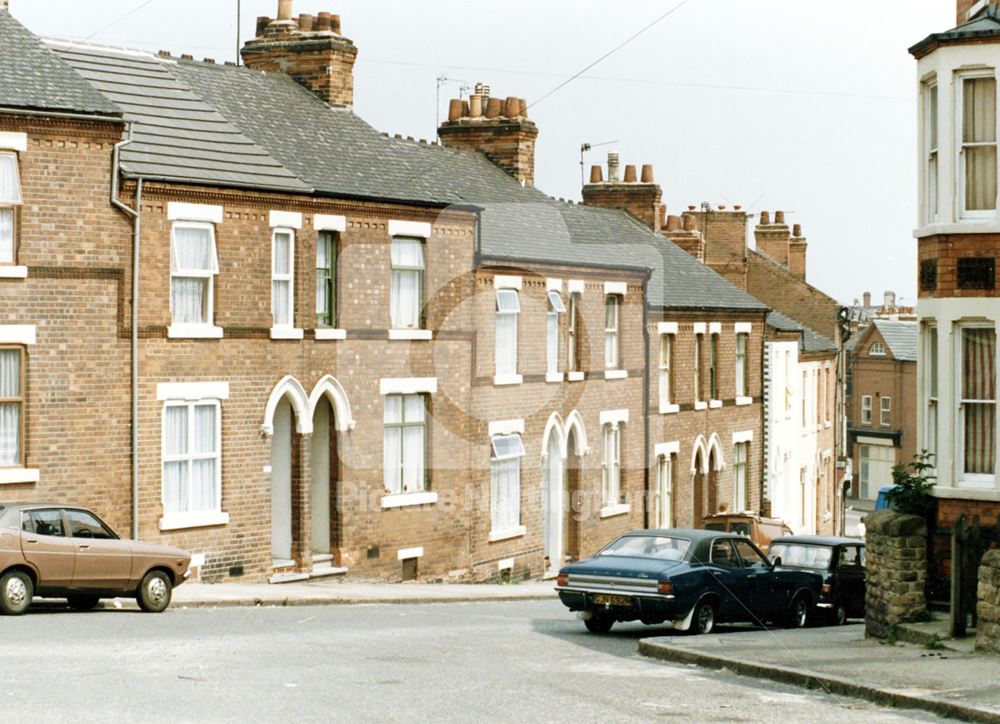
[193,266]
[507,310]
[405,443]
[11,406]
[505,482]
[931,385]
[192,470]
[977,406]
[978,152]
[930,96]
[555,308]
[406,295]
[10,197]
[282,278]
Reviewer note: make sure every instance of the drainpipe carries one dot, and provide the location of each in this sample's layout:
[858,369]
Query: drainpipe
[645,399]
[136,229]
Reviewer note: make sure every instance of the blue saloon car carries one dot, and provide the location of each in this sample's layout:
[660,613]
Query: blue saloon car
[690,578]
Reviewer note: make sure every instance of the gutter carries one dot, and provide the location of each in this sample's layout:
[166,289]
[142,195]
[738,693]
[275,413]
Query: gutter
[136,232]
[61,114]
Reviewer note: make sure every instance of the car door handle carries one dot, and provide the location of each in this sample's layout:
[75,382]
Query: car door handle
[716,573]
[30,540]
[84,546]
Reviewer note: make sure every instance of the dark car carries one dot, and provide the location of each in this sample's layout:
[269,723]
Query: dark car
[841,563]
[690,578]
[64,551]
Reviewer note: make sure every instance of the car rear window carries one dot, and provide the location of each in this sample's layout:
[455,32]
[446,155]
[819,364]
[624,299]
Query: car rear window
[721,527]
[800,555]
[659,547]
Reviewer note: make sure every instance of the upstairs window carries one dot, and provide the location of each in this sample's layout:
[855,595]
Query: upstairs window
[978,154]
[556,307]
[406,295]
[885,408]
[508,308]
[282,278]
[699,352]
[11,406]
[10,196]
[866,409]
[876,350]
[326,279]
[193,266]
[742,368]
[573,334]
[612,338]
[930,96]
[713,367]
[666,369]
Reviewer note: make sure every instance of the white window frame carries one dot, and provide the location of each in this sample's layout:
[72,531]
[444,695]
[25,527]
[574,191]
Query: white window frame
[885,411]
[511,527]
[573,362]
[665,466]
[206,328]
[866,409]
[970,480]
[506,366]
[931,160]
[612,334]
[192,518]
[699,362]
[931,384]
[876,350]
[403,425]
[611,492]
[288,277]
[555,307]
[742,366]
[421,278]
[10,205]
[960,79]
[741,488]
[667,367]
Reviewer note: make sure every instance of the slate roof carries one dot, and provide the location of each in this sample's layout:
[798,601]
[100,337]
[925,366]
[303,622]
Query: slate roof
[985,25]
[901,338]
[35,79]
[809,341]
[232,126]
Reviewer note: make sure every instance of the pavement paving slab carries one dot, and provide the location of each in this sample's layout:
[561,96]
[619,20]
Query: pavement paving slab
[842,661]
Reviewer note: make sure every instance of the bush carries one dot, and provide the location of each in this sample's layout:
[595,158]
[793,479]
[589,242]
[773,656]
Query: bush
[911,494]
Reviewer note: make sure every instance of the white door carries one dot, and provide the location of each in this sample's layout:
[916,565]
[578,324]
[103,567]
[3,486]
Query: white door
[281,483]
[665,492]
[319,488]
[553,505]
[876,469]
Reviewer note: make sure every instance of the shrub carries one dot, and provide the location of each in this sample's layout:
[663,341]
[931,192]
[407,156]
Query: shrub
[911,494]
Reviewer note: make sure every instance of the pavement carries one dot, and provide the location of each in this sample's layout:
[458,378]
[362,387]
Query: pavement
[840,660]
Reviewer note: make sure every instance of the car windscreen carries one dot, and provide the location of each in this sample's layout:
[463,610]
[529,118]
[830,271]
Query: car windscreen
[800,555]
[659,547]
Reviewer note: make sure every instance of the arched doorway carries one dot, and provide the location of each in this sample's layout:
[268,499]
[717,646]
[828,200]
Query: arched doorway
[574,493]
[553,508]
[324,529]
[712,484]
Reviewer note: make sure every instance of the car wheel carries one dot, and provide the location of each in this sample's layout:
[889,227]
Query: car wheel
[83,602]
[154,592]
[16,591]
[599,622]
[839,614]
[798,613]
[703,621]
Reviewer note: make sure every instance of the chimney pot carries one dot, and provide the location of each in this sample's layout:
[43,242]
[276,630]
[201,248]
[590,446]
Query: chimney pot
[613,164]
[692,208]
[647,173]
[306,22]
[797,230]
[889,299]
[483,89]
[722,207]
[465,109]
[737,207]
[475,105]
[187,56]
[867,299]
[596,174]
[323,23]
[523,111]
[284,9]
[455,109]
[674,223]
[335,24]
[512,107]
[765,218]
[779,217]
[262,22]
[630,177]
[494,108]
[164,53]
[210,61]
[688,222]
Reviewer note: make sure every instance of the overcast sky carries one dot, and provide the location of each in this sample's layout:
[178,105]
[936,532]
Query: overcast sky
[776,104]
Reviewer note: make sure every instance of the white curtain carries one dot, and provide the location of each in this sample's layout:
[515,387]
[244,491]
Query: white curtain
[979,127]
[189,300]
[413,443]
[407,271]
[10,188]
[506,343]
[281,282]
[194,250]
[203,470]
[611,333]
[175,472]
[552,342]
[6,236]
[281,308]
[506,493]
[193,261]
[10,412]
[392,443]
[322,274]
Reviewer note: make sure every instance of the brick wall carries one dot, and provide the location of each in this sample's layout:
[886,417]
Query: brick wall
[507,142]
[945,250]
[777,288]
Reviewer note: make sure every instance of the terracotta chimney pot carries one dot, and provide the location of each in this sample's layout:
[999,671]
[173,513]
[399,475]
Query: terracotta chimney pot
[722,207]
[692,208]
[596,174]
[765,218]
[797,230]
[262,22]
[647,173]
[455,109]
[630,177]
[335,23]
[465,109]
[737,207]
[306,22]
[475,106]
[674,223]
[523,112]
[324,22]
[779,217]
[688,223]
[512,107]
[284,9]
[494,108]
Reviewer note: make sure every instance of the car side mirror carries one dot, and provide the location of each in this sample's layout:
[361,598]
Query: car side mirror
[776,562]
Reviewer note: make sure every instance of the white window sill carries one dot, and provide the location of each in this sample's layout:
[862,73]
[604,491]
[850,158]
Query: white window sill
[326,333]
[610,511]
[194,331]
[410,334]
[615,374]
[12,476]
[507,380]
[405,500]
[286,333]
[715,404]
[13,272]
[176,521]
[740,401]
[827,424]
[507,533]
[575,376]
[669,409]
[700,405]
[553,376]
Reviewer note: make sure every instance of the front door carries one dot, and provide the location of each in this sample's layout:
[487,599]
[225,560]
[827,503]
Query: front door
[322,479]
[46,546]
[102,561]
[553,505]
[281,484]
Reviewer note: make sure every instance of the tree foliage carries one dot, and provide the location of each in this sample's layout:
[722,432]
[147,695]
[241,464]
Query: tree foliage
[913,483]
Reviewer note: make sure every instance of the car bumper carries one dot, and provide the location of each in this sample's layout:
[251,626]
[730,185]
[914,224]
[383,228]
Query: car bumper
[641,606]
[824,604]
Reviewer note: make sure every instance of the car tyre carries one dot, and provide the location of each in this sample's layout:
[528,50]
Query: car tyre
[154,592]
[83,602]
[798,613]
[16,590]
[599,622]
[839,615]
[703,621]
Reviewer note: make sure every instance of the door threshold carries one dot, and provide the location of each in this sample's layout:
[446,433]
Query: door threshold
[288,577]
[326,571]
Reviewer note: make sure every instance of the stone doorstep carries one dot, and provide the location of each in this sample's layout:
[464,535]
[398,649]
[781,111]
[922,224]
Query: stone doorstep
[288,577]
[326,571]
[920,632]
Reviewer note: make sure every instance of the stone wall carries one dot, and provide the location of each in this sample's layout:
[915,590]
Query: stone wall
[988,608]
[895,571]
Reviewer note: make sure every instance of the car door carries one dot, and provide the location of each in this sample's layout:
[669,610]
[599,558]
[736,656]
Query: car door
[103,563]
[46,546]
[849,580]
[765,589]
[731,581]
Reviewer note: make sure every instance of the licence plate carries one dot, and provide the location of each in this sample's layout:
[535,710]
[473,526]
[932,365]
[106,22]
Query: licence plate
[607,599]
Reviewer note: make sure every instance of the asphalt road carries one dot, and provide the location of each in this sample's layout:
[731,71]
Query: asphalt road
[472,662]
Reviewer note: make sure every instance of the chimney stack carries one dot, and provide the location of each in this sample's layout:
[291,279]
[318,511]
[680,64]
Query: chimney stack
[797,253]
[308,48]
[773,239]
[889,299]
[866,299]
[642,199]
[5,5]
[499,128]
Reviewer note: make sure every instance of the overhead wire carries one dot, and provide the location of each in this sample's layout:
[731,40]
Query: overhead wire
[119,19]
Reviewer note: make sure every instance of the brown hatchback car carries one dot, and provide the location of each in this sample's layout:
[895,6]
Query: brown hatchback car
[63,551]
